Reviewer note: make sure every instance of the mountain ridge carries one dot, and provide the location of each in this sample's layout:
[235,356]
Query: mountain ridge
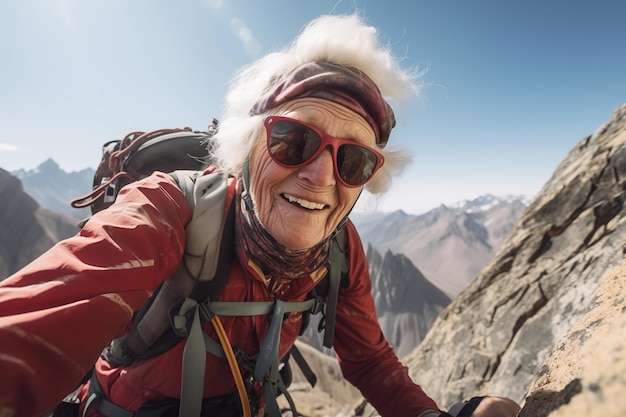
[469,234]
[28,229]
[54,188]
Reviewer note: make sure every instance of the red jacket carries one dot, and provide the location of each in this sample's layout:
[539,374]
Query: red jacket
[59,312]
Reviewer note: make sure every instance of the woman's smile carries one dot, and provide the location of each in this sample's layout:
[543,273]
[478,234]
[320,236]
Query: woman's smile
[302,203]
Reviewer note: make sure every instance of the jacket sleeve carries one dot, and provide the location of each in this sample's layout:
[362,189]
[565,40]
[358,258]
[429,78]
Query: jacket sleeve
[61,310]
[367,360]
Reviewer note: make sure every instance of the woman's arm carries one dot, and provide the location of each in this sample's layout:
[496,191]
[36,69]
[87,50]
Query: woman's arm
[61,310]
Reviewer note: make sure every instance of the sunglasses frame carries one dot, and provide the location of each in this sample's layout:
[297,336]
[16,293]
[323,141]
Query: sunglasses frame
[326,141]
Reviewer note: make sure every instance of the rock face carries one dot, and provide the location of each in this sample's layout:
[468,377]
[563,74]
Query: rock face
[496,335]
[27,229]
[586,372]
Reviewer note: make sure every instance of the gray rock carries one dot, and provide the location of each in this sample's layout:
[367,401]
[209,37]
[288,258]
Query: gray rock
[586,372]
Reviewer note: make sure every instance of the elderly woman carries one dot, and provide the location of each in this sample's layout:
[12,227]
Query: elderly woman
[304,131]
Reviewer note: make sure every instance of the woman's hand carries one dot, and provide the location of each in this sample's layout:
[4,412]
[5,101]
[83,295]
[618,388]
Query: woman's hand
[496,407]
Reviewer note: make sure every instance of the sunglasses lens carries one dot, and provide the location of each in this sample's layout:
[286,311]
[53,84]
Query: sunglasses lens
[355,164]
[292,144]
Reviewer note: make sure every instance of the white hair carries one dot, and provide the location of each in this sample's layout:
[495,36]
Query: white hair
[339,39]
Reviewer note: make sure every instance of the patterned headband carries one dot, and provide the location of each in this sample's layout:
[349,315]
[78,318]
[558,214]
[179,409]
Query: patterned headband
[346,86]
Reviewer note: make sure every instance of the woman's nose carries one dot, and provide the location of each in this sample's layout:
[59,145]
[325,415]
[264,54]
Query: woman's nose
[319,171]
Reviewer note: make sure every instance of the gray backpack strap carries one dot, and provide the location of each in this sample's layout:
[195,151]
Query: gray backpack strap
[338,269]
[206,195]
[194,361]
[207,198]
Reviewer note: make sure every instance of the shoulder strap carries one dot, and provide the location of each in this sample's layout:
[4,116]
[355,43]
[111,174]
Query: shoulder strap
[337,273]
[207,256]
[207,198]
[209,249]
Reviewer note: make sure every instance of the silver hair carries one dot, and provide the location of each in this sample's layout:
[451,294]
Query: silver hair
[340,39]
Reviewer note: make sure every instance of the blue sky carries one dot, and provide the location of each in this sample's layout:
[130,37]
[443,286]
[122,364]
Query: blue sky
[510,86]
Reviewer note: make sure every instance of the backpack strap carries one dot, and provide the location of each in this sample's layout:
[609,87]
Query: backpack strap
[308,373]
[337,274]
[268,358]
[203,233]
[207,256]
[194,361]
[97,399]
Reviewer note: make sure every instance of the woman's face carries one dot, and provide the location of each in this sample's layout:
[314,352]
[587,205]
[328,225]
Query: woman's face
[301,206]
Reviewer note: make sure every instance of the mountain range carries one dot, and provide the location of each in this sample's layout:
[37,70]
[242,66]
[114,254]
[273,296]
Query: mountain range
[407,301]
[450,245]
[54,189]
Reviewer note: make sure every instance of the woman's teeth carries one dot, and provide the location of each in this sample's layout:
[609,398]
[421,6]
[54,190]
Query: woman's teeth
[303,203]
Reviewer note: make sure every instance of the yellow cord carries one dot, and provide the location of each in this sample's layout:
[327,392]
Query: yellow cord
[232,362]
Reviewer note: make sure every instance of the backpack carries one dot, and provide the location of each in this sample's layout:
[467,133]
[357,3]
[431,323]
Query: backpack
[175,312]
[139,154]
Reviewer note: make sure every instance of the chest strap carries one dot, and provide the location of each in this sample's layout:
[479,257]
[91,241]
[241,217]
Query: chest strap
[197,344]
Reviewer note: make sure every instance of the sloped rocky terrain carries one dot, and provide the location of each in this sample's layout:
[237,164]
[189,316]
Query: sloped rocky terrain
[585,373]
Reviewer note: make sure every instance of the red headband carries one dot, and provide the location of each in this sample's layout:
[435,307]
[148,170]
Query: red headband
[346,86]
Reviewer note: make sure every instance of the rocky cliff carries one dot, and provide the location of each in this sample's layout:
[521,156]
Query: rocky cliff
[585,374]
[495,337]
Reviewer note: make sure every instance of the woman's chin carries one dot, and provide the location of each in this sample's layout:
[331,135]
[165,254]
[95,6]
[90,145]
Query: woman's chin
[297,238]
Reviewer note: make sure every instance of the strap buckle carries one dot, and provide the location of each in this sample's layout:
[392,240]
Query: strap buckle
[206,314]
[319,304]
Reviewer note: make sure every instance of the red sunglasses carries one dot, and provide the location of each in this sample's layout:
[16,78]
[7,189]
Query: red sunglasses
[293,144]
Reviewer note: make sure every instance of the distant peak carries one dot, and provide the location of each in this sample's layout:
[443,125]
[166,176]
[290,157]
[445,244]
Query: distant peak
[487,201]
[48,165]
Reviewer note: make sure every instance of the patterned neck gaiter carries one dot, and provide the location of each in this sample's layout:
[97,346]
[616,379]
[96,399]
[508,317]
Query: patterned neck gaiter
[279,263]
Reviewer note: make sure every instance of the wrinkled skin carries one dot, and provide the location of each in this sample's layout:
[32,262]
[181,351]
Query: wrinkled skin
[318,200]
